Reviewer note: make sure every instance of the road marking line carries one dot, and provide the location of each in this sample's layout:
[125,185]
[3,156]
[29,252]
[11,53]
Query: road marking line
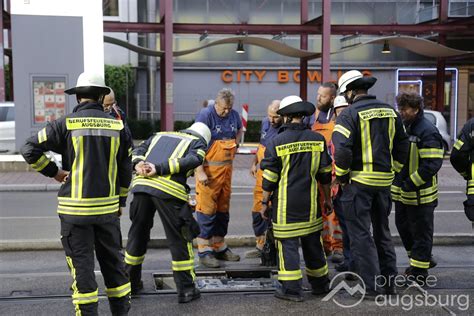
[451,192]
[29,217]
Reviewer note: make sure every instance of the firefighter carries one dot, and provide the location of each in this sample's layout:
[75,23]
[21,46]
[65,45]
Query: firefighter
[295,161]
[462,159]
[97,172]
[270,126]
[324,124]
[339,104]
[163,163]
[415,188]
[370,142]
[213,179]
[111,107]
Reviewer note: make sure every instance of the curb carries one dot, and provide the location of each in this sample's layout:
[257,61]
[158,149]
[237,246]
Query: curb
[29,187]
[232,241]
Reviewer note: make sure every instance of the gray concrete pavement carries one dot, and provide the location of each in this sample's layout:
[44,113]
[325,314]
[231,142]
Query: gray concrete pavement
[37,283]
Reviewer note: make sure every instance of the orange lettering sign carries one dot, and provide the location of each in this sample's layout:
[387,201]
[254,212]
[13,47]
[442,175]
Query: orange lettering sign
[247,74]
[260,74]
[314,76]
[227,76]
[296,76]
[282,76]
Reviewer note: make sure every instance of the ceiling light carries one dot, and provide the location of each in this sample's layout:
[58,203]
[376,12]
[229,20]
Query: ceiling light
[240,48]
[386,48]
[203,36]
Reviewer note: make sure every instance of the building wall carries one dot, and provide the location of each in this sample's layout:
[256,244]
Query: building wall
[254,86]
[45,50]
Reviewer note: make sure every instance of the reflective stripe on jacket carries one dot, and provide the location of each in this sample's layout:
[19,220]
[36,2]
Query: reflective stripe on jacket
[96,151]
[424,161]
[370,143]
[294,161]
[462,155]
[175,155]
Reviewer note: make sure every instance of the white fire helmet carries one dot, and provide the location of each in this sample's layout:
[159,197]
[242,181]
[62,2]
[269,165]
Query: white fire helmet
[200,129]
[347,78]
[89,80]
[340,101]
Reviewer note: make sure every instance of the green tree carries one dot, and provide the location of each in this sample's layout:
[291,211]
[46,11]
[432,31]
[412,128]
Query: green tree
[120,79]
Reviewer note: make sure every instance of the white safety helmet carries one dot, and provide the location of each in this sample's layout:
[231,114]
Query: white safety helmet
[354,79]
[201,130]
[340,101]
[294,104]
[91,81]
[347,78]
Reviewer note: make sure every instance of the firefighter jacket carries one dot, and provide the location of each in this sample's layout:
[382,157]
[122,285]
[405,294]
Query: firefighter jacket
[294,161]
[417,183]
[370,143]
[175,155]
[462,155]
[96,152]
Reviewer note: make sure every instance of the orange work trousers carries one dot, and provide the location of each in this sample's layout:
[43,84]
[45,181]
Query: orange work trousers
[213,200]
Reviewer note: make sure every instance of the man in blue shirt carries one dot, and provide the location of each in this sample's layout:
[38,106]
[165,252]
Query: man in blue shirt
[213,179]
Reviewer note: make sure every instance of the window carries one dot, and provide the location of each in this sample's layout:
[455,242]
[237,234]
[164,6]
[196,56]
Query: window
[7,113]
[110,7]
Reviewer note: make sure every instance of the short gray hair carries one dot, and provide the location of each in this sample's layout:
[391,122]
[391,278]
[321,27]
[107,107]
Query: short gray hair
[226,95]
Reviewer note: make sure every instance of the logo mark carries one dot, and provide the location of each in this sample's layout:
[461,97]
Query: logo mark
[342,285]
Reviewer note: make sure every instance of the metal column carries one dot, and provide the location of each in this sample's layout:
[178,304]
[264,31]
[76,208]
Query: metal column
[326,45]
[166,66]
[441,62]
[151,69]
[304,45]
[2,66]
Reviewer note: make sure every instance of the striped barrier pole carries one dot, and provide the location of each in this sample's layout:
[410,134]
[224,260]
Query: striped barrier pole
[245,116]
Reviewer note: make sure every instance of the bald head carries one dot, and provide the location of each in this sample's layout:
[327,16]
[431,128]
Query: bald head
[109,101]
[273,117]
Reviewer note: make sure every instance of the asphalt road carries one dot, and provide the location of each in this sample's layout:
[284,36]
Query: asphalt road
[32,215]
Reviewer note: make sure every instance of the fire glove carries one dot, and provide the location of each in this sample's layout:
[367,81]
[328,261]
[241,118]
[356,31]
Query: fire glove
[190,228]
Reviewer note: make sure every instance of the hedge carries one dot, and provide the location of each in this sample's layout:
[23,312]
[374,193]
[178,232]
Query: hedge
[142,129]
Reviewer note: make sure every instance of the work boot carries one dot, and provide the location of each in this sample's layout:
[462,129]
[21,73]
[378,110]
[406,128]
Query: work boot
[188,296]
[337,256]
[289,295]
[418,275]
[208,260]
[227,255]
[135,277]
[319,285]
[351,277]
[136,288]
[390,289]
[433,262]
[320,290]
[253,254]
[341,267]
